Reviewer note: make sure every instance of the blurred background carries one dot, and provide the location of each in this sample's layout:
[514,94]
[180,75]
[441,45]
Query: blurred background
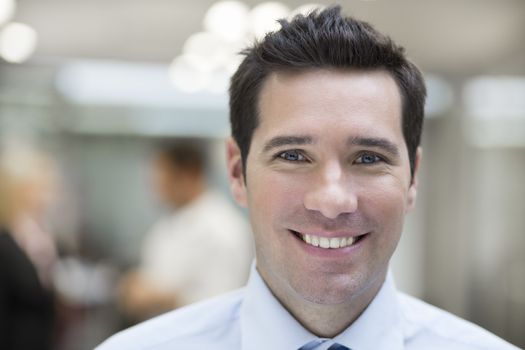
[93,86]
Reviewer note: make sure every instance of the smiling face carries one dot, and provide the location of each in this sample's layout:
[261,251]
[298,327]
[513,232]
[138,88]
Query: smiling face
[327,183]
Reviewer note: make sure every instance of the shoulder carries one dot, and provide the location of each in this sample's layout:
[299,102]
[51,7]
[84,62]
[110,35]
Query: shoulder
[206,325]
[429,327]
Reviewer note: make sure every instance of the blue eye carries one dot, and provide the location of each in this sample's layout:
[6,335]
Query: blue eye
[368,158]
[292,156]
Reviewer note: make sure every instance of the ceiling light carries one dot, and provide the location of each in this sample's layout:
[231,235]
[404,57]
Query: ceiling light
[207,51]
[263,17]
[228,19]
[495,97]
[495,107]
[186,77]
[17,42]
[7,9]
[114,83]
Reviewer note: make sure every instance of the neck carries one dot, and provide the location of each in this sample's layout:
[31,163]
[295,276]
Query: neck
[326,320]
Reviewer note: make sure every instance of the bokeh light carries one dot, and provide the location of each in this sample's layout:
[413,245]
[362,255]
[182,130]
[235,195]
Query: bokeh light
[17,42]
[228,19]
[186,77]
[263,17]
[7,9]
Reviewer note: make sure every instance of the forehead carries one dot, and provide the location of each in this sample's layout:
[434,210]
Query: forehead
[319,98]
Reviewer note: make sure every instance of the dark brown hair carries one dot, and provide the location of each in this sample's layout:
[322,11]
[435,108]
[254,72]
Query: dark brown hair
[324,40]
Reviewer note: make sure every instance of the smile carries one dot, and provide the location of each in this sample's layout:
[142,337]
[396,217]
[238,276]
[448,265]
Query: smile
[328,243]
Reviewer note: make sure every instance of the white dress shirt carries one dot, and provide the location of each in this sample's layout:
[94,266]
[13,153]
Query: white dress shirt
[253,319]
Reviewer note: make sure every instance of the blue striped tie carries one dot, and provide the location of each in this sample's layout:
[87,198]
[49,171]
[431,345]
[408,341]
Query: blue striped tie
[311,345]
[338,347]
[315,343]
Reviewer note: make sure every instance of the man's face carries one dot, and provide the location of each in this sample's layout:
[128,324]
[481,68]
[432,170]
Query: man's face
[327,167]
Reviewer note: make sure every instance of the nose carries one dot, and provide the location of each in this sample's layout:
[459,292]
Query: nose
[332,193]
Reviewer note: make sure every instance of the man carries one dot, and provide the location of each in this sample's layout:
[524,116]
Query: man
[200,250]
[326,119]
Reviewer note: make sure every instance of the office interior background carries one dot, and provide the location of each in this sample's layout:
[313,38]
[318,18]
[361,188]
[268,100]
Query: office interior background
[96,83]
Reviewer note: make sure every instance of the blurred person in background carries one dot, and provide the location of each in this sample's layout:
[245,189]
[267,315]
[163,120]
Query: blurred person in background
[201,249]
[27,250]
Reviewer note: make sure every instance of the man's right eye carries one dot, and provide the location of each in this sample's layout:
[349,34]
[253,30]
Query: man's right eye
[292,156]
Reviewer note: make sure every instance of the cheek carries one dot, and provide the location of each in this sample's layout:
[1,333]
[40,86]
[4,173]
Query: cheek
[273,194]
[386,204]
[272,200]
[387,198]
[389,192]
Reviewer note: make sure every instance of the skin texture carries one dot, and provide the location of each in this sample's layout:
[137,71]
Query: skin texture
[328,158]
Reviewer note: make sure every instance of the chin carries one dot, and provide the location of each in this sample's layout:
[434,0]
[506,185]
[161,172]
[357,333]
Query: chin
[328,299]
[340,289]
[331,290]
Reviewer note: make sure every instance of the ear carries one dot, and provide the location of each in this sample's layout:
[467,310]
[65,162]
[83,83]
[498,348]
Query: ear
[412,190]
[235,172]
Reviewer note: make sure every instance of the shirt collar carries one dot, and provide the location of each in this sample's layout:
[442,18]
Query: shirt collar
[266,324]
[380,324]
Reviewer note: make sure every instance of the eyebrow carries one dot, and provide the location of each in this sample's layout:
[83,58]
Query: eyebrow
[381,143]
[279,141]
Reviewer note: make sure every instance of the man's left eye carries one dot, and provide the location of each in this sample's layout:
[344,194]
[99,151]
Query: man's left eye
[368,158]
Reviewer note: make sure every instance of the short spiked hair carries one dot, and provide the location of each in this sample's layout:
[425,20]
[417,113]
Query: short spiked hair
[324,40]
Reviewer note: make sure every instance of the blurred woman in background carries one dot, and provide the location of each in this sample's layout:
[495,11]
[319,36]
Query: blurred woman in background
[27,251]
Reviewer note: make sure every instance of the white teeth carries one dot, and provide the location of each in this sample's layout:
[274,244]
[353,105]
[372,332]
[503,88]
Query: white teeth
[308,239]
[335,242]
[326,243]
